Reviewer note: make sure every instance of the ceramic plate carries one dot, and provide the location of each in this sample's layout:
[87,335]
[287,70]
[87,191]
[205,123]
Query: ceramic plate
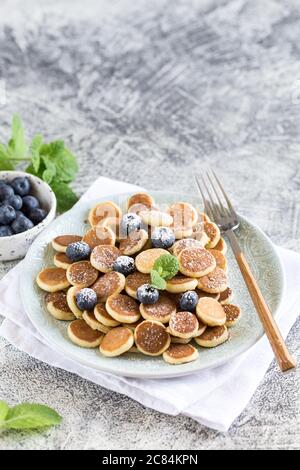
[259,251]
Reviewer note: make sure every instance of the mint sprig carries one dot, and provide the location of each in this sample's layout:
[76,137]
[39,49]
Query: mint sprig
[157,281]
[165,267]
[52,162]
[27,416]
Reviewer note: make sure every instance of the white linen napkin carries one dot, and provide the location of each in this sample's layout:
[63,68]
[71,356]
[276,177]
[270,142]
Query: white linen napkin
[214,397]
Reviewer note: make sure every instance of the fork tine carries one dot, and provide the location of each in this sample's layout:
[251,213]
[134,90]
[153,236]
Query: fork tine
[215,206]
[207,207]
[230,206]
[220,207]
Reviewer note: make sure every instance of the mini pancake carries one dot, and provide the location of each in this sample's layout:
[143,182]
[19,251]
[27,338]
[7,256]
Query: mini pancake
[184,214]
[99,235]
[156,218]
[233,314]
[132,326]
[122,308]
[52,279]
[134,281]
[61,242]
[181,232]
[160,311]
[221,261]
[143,200]
[57,306]
[116,342]
[213,233]
[108,284]
[181,283]
[103,316]
[152,338]
[145,260]
[102,211]
[180,245]
[214,282]
[199,233]
[203,217]
[180,354]
[134,243]
[212,337]
[61,260]
[183,324]
[83,335]
[113,223]
[92,321]
[82,274]
[225,296]
[176,340]
[221,246]
[71,300]
[201,329]
[210,312]
[201,293]
[103,257]
[196,262]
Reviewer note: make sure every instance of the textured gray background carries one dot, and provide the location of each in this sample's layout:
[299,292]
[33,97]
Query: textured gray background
[151,92]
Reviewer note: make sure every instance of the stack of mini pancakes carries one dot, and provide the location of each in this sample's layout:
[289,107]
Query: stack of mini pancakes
[119,323]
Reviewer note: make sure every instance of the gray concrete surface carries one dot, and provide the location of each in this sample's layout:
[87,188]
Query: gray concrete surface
[151,92]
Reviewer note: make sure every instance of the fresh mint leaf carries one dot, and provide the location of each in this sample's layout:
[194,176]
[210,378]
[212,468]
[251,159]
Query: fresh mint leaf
[30,416]
[5,164]
[66,167]
[166,266]
[3,152]
[52,162]
[35,148]
[66,198]
[64,161]
[50,169]
[53,149]
[30,169]
[157,281]
[17,144]
[3,410]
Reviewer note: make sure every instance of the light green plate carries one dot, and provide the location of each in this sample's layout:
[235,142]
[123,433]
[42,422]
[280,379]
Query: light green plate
[258,249]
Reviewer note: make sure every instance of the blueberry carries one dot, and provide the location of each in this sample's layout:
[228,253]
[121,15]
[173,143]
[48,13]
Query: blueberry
[6,192]
[21,186]
[78,251]
[29,203]
[37,215]
[21,224]
[7,214]
[86,299]
[147,294]
[162,237]
[129,223]
[15,201]
[5,231]
[19,214]
[124,265]
[188,301]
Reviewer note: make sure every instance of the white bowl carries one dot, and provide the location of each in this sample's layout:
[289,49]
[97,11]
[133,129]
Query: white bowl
[16,246]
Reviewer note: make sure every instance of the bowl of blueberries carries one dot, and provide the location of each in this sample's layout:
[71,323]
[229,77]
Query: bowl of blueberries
[27,206]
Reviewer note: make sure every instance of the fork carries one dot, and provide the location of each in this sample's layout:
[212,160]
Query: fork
[219,208]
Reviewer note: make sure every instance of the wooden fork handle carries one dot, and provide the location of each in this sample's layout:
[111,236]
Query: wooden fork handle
[284,359]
